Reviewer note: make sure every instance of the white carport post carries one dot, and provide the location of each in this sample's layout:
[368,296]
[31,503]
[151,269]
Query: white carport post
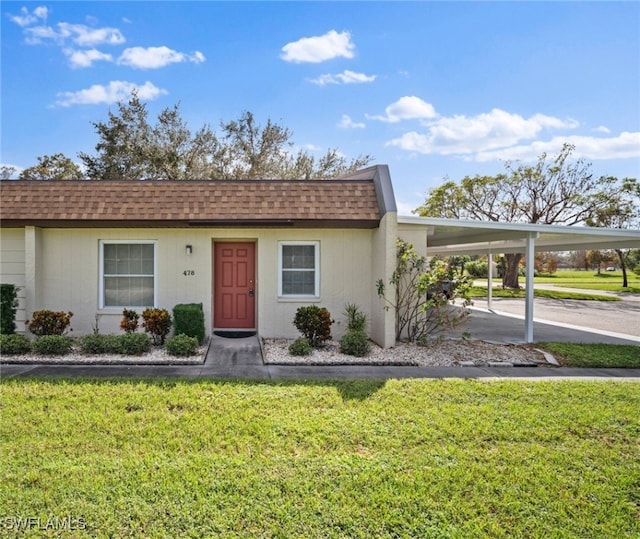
[490,279]
[528,314]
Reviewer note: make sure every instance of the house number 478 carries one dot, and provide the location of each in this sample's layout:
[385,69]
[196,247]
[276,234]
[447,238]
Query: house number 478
[188,273]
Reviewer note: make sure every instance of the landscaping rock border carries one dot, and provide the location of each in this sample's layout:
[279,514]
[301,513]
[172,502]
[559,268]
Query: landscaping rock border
[437,353]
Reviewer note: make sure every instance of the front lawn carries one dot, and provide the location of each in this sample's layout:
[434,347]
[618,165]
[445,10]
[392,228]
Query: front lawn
[610,281]
[413,458]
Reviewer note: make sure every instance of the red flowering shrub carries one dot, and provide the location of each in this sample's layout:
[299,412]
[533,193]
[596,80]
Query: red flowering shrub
[47,322]
[156,322]
[129,322]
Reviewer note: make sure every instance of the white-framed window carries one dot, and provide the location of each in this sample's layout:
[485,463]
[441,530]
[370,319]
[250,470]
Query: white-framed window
[128,273]
[299,269]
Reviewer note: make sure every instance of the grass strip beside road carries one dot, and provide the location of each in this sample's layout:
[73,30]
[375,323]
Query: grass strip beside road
[612,356]
[481,292]
[411,458]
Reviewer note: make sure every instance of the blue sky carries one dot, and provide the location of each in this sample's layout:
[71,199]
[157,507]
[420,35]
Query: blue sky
[432,89]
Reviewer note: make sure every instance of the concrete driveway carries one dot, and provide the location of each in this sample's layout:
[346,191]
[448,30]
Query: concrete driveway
[558,320]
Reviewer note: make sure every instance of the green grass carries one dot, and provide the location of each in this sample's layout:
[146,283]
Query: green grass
[594,355]
[609,281]
[481,292]
[413,458]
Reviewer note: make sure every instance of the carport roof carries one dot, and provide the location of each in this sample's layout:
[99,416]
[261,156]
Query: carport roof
[457,236]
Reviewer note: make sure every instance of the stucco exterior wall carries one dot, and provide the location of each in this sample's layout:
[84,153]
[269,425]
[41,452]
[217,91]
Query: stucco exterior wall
[383,261]
[12,267]
[60,270]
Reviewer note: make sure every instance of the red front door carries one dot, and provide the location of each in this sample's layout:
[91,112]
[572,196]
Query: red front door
[234,299]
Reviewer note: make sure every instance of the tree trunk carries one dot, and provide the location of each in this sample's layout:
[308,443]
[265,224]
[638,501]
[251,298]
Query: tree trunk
[623,266]
[510,277]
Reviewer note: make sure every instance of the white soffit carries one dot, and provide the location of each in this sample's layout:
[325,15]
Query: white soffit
[457,236]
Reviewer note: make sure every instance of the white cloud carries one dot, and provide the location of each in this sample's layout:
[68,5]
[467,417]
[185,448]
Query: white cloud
[346,77]
[37,34]
[86,58]
[114,92]
[405,208]
[26,18]
[602,129]
[406,108]
[624,146]
[80,34]
[156,57]
[347,123]
[467,135]
[319,48]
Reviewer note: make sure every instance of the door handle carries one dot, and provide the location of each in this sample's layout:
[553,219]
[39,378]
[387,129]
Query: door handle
[251,292]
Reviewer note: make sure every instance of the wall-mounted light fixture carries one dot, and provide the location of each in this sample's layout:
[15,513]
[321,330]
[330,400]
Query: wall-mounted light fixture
[188,249]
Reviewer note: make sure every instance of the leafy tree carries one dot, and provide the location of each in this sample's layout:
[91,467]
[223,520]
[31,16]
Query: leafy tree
[421,295]
[130,147]
[7,172]
[621,209]
[596,258]
[578,260]
[546,263]
[53,167]
[550,192]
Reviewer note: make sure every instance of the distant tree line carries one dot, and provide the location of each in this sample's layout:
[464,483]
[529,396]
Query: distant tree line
[130,147]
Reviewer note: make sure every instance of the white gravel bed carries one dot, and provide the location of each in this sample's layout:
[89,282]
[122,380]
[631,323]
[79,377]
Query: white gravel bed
[441,353]
[156,356]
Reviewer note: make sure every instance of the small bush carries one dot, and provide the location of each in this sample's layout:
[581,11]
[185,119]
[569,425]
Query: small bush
[8,308]
[101,344]
[93,344]
[356,319]
[188,319]
[52,345]
[156,322]
[478,269]
[182,345]
[314,323]
[355,343]
[300,347]
[133,344]
[47,322]
[14,344]
[129,322]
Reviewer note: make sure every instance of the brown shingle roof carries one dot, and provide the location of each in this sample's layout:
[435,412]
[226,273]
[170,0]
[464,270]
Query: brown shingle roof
[326,203]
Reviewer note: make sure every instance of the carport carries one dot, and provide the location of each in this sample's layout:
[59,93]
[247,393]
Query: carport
[450,237]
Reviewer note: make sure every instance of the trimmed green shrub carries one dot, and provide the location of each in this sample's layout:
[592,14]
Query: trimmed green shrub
[133,344]
[8,308]
[52,345]
[355,343]
[300,347]
[182,345]
[129,322]
[356,319]
[14,344]
[97,343]
[314,323]
[156,322]
[188,319]
[478,269]
[47,322]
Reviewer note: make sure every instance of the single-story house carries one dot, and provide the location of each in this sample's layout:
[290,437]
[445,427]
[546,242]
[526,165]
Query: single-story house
[251,252]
